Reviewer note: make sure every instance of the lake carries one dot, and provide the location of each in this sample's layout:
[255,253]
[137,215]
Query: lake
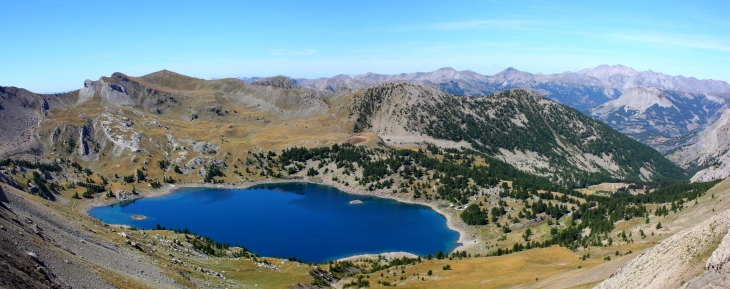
[311,222]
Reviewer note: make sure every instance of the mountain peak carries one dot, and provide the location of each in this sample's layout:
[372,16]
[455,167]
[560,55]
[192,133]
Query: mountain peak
[608,70]
[278,81]
[165,73]
[510,74]
[450,69]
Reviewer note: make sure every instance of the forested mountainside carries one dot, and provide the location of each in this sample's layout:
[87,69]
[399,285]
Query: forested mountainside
[519,127]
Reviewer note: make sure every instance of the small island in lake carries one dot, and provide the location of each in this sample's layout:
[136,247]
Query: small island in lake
[138,217]
[355,202]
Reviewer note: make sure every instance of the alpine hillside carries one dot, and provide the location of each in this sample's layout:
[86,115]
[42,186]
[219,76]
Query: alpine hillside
[519,127]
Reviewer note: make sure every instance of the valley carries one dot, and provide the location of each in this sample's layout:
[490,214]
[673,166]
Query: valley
[541,194]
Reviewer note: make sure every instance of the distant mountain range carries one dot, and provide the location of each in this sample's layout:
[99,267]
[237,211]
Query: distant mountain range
[581,90]
[647,112]
[663,111]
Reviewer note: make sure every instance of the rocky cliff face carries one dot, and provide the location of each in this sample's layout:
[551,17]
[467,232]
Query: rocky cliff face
[20,114]
[671,263]
[717,273]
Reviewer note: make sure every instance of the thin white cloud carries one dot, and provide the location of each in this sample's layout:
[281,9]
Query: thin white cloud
[686,41]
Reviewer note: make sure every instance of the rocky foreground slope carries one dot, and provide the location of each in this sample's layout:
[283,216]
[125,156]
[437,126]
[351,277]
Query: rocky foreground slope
[678,259]
[42,248]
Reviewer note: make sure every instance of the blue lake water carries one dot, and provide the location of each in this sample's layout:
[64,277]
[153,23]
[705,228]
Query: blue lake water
[311,222]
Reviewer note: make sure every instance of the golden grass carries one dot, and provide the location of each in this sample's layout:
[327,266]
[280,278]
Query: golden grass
[490,272]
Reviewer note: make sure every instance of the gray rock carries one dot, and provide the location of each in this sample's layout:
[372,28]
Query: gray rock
[32,188]
[124,195]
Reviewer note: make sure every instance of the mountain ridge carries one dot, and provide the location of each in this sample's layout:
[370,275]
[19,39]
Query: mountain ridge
[519,127]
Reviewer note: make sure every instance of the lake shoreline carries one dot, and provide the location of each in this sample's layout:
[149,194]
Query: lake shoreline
[464,242]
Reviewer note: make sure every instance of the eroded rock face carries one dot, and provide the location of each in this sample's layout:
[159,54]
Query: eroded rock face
[83,149]
[717,274]
[20,112]
[721,257]
[667,264]
[192,164]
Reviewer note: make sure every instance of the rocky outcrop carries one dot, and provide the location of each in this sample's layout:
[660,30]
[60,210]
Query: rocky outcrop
[113,93]
[124,195]
[6,179]
[118,129]
[204,147]
[720,259]
[717,274]
[671,263]
[83,149]
[278,81]
[192,164]
[20,112]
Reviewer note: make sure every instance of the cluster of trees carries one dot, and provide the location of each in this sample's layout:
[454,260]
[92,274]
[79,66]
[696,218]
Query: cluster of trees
[44,167]
[473,215]
[45,190]
[203,244]
[91,188]
[212,171]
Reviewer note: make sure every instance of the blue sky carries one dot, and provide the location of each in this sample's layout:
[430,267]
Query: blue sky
[54,45]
